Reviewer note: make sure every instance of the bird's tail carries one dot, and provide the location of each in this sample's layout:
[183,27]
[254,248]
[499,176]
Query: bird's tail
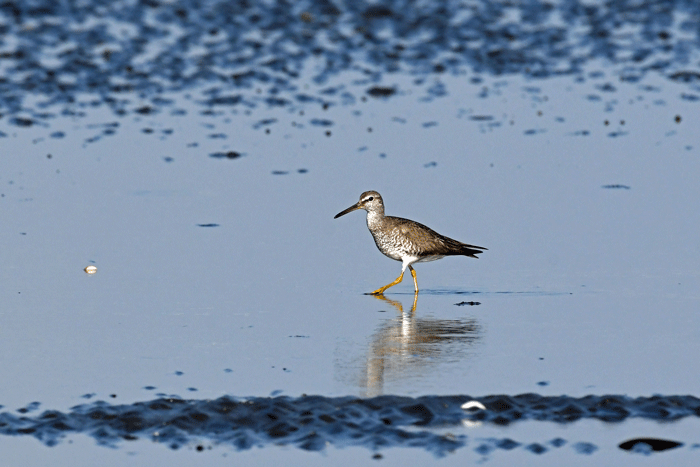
[458,248]
[471,250]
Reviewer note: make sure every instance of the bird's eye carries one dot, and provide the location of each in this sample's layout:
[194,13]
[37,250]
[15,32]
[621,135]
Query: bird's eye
[370,198]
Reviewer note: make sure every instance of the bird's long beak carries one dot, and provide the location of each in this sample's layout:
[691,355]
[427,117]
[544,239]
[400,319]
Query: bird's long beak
[350,209]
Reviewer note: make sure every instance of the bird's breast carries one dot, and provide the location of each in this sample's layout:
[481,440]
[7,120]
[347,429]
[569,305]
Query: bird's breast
[392,244]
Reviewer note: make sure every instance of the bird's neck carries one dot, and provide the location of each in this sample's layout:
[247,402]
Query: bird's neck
[374,219]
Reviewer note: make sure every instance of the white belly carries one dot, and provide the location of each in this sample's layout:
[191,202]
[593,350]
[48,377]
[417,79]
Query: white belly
[425,259]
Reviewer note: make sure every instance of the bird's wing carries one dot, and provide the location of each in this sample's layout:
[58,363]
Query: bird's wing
[429,242]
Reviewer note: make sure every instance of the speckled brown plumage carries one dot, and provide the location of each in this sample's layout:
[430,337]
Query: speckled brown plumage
[415,239]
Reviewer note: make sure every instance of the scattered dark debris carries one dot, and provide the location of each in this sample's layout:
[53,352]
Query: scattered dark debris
[226,155]
[377,11]
[536,448]
[585,448]
[379,91]
[321,122]
[686,76]
[22,122]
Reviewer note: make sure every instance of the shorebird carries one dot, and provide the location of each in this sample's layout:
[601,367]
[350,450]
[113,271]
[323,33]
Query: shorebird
[405,240]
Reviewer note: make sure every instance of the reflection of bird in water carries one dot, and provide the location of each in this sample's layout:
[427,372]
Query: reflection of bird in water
[405,240]
[402,346]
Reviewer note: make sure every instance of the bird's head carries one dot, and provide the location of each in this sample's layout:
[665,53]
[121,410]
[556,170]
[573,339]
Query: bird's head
[370,201]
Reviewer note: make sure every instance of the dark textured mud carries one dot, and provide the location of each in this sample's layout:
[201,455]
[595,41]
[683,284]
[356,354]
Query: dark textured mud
[313,422]
[646,445]
[130,55]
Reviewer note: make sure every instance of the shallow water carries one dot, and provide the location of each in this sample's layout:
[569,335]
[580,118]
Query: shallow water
[202,184]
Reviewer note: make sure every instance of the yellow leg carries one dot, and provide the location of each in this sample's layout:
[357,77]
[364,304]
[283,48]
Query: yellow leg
[413,273]
[381,290]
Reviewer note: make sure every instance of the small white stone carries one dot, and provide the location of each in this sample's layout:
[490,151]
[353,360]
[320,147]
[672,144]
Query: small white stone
[91,269]
[473,405]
